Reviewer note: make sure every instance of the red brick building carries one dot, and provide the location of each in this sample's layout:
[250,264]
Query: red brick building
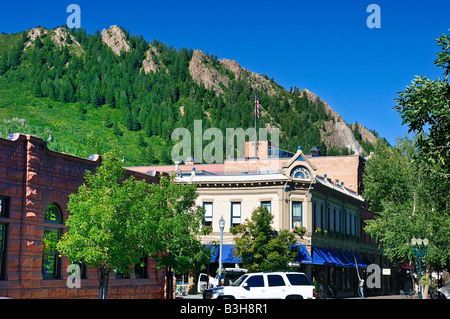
[35,184]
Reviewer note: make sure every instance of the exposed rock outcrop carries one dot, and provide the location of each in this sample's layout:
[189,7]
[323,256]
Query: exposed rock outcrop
[202,72]
[151,62]
[33,34]
[211,73]
[337,133]
[115,38]
[59,36]
[365,134]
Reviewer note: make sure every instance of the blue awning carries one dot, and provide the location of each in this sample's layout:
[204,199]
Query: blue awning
[347,262]
[317,260]
[336,257]
[303,255]
[227,254]
[358,258]
[325,256]
[214,253]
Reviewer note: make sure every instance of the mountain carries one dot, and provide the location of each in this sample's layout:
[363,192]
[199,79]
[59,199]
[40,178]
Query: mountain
[113,89]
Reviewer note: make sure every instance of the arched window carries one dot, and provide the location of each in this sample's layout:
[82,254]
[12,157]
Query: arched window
[53,214]
[53,225]
[300,172]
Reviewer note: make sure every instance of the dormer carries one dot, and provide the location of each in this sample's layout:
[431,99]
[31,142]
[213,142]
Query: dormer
[299,167]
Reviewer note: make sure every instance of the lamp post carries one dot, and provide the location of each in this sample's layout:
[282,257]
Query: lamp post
[420,252]
[221,227]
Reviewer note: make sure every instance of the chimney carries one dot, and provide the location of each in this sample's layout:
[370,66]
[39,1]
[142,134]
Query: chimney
[314,151]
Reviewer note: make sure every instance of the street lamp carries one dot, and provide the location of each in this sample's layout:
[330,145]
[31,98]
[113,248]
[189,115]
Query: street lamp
[420,252]
[221,227]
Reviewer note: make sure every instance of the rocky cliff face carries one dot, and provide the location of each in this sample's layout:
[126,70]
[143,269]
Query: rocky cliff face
[337,133]
[203,70]
[33,34]
[366,135]
[150,64]
[60,37]
[216,75]
[115,38]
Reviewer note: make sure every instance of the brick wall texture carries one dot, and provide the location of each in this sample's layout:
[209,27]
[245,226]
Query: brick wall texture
[31,178]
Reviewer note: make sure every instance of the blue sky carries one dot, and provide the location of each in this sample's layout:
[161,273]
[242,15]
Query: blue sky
[323,45]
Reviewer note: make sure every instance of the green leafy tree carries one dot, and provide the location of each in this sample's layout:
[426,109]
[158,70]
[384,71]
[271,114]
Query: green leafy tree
[176,242]
[408,202]
[425,108]
[110,225]
[262,248]
[114,221]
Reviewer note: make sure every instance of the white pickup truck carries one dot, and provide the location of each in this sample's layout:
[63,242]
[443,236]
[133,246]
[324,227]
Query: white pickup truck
[266,285]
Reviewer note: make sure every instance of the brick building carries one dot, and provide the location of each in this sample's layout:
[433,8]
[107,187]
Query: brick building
[35,184]
[319,197]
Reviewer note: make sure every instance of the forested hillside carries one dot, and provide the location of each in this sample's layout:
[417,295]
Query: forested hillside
[113,89]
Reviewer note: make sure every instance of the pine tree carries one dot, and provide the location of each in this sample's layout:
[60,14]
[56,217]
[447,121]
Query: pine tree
[38,42]
[36,89]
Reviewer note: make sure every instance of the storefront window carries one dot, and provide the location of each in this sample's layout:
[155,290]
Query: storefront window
[296,214]
[51,262]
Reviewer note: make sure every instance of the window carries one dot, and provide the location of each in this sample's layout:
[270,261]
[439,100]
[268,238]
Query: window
[240,280]
[298,280]
[52,214]
[140,269]
[301,172]
[296,214]
[51,262]
[255,281]
[3,206]
[322,217]
[314,215]
[347,223]
[4,212]
[83,269]
[275,281]
[2,250]
[268,205]
[330,220]
[352,224]
[208,213]
[319,217]
[235,213]
[336,221]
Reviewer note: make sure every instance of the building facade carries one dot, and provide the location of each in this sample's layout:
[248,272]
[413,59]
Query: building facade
[35,184]
[326,216]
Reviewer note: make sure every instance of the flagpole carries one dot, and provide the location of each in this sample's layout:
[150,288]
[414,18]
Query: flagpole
[256,132]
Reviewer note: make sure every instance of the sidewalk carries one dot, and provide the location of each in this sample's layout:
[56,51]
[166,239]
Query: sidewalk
[380,297]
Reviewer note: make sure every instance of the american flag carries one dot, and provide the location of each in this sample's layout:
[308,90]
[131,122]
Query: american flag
[257,105]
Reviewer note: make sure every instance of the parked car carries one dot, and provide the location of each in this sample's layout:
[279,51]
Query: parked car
[230,275]
[266,285]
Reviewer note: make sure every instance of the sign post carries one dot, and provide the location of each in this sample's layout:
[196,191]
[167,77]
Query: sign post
[294,264]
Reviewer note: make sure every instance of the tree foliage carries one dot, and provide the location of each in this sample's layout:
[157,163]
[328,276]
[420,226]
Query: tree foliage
[88,73]
[114,221]
[175,244]
[408,202]
[425,108]
[262,248]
